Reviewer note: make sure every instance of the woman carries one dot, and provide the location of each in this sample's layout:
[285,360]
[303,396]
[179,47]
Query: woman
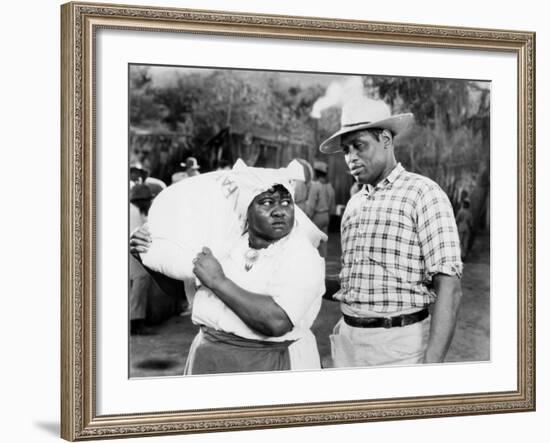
[255,306]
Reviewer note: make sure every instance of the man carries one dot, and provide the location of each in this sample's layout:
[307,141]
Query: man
[320,202]
[400,250]
[140,280]
[191,166]
[191,170]
[143,288]
[138,174]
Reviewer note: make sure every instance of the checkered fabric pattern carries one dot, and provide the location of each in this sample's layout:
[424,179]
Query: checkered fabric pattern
[395,237]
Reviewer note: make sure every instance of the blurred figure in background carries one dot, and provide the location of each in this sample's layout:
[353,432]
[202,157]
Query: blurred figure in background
[155,185]
[464,223]
[142,286]
[138,174]
[320,201]
[191,167]
[140,280]
[301,191]
[140,202]
[191,170]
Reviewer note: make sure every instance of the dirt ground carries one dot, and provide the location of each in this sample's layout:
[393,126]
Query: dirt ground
[164,351]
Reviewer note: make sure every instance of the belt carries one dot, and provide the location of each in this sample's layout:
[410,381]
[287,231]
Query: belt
[387,322]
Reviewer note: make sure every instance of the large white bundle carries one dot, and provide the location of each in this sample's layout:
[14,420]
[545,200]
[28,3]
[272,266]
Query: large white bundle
[185,217]
[210,210]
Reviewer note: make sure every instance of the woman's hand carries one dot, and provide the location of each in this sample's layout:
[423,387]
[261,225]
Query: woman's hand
[208,270]
[140,240]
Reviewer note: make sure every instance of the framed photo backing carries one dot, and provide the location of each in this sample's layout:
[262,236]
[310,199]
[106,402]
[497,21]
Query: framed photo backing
[99,44]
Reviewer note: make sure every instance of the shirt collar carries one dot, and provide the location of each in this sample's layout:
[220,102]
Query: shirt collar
[396,172]
[392,176]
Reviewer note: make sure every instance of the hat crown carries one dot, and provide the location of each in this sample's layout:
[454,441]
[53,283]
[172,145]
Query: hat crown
[191,162]
[364,110]
[140,192]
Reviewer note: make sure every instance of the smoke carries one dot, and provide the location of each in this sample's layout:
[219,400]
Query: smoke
[338,93]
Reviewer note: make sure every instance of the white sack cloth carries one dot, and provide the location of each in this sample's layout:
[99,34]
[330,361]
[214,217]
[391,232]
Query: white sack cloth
[210,210]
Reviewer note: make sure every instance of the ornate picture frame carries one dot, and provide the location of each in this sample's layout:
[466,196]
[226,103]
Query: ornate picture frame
[79,392]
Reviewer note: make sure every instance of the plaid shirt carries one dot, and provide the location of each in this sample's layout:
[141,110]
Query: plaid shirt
[395,237]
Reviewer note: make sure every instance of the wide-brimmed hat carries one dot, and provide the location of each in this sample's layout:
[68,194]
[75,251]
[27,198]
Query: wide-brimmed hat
[364,113]
[320,166]
[191,163]
[155,185]
[138,167]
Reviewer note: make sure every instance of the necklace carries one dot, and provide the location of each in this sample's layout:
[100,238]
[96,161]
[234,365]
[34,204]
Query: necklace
[250,257]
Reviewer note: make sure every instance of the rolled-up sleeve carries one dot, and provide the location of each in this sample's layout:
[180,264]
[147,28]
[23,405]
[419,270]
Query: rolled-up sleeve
[438,234]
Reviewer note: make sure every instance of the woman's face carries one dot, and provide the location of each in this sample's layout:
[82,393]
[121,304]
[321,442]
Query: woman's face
[271,214]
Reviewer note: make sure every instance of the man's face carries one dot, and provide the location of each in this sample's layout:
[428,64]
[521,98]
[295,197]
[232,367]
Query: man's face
[366,156]
[271,215]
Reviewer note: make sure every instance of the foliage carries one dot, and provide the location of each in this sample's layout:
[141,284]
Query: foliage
[449,142]
[451,139]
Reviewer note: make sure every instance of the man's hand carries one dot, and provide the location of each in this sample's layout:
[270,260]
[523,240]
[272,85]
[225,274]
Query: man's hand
[140,240]
[208,270]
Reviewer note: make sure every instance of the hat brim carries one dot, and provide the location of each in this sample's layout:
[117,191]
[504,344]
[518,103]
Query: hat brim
[396,124]
[142,171]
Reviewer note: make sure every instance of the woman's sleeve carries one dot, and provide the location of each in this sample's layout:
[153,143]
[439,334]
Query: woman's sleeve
[299,283]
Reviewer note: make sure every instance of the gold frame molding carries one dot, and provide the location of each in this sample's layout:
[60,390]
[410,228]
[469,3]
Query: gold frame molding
[79,22]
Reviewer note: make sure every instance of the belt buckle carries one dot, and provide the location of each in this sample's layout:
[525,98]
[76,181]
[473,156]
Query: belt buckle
[387,322]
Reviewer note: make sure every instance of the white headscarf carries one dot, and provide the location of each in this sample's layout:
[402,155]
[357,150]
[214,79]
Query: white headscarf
[243,183]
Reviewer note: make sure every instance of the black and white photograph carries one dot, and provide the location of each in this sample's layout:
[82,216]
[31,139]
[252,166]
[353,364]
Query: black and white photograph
[288,220]
[304,221]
